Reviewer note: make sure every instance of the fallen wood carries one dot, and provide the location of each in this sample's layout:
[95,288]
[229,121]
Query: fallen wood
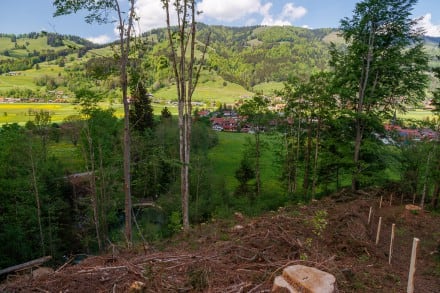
[65,264]
[26,265]
[101,269]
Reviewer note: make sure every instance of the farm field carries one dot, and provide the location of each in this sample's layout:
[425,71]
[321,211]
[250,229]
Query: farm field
[22,112]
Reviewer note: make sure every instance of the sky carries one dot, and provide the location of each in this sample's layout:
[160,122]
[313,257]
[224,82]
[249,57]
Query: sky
[24,16]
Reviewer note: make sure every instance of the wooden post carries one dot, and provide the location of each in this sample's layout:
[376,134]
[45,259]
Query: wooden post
[391,243]
[378,230]
[369,215]
[380,203]
[412,267]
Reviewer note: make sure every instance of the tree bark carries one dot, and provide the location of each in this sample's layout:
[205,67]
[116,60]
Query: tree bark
[186,81]
[124,42]
[37,201]
[365,74]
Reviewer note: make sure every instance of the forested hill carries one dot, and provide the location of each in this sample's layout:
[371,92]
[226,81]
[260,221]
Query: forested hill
[247,56]
[22,52]
[257,54]
[242,55]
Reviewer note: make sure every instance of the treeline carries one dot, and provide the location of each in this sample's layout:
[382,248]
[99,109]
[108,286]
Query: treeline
[51,53]
[53,39]
[249,56]
[47,210]
[253,55]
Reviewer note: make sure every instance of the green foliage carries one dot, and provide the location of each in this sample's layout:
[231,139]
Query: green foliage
[175,222]
[383,67]
[22,158]
[319,222]
[141,113]
[244,174]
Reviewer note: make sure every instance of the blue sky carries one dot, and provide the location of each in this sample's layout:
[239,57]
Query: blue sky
[23,16]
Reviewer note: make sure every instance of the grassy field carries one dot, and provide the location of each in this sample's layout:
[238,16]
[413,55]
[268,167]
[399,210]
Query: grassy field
[27,77]
[210,90]
[268,88]
[417,114]
[226,157]
[19,112]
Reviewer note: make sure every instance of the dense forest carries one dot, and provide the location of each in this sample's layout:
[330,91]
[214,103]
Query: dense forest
[333,125]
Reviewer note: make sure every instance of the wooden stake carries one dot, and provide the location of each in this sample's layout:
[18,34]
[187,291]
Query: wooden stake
[391,243]
[412,267]
[378,230]
[369,215]
[380,203]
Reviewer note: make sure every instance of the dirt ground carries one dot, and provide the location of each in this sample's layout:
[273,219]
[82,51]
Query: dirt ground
[245,254]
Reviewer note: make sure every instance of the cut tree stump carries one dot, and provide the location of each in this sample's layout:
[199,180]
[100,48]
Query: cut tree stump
[299,278]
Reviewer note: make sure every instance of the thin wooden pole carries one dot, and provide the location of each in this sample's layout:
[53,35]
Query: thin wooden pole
[391,243]
[412,267]
[369,215]
[380,203]
[378,230]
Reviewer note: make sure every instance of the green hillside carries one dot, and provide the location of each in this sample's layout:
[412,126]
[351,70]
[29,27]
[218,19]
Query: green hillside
[240,62]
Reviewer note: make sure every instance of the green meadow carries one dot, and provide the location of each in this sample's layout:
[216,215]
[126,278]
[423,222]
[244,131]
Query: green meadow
[22,112]
[27,77]
[226,157]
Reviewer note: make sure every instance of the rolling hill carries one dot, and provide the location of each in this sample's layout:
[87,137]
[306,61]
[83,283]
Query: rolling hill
[240,61]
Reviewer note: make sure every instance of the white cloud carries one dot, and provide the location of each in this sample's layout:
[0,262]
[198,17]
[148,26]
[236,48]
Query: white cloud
[431,29]
[289,13]
[228,10]
[151,15]
[102,39]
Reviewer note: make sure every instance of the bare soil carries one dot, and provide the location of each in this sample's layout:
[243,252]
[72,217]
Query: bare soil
[245,254]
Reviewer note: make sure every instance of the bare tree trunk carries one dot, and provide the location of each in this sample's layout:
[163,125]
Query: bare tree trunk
[37,201]
[306,181]
[315,164]
[93,195]
[124,41]
[435,195]
[425,181]
[257,162]
[186,81]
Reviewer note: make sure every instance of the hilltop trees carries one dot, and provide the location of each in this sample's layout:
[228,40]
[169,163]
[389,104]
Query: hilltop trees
[381,69]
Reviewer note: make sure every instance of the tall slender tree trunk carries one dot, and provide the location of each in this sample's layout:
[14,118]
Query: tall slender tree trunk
[37,201]
[435,195]
[425,181]
[257,162]
[186,81]
[357,149]
[315,161]
[93,195]
[124,42]
[306,182]
[359,121]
